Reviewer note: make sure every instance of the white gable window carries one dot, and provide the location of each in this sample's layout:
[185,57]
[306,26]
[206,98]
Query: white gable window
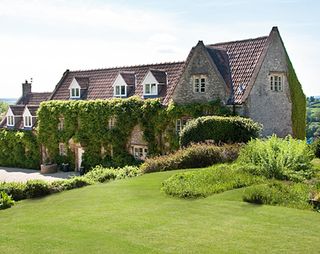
[150,85]
[27,118]
[276,82]
[139,152]
[74,89]
[10,118]
[119,87]
[199,83]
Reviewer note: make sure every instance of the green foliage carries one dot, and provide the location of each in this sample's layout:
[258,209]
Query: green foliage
[298,100]
[101,174]
[5,200]
[316,147]
[295,195]
[37,188]
[16,190]
[219,129]
[203,183]
[86,122]
[195,156]
[76,182]
[3,109]
[284,159]
[19,149]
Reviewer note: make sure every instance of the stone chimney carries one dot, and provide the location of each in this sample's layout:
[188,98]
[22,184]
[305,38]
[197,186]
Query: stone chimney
[26,88]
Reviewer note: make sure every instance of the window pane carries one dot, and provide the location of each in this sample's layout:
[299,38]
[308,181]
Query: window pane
[73,94]
[153,89]
[123,90]
[117,90]
[77,92]
[147,88]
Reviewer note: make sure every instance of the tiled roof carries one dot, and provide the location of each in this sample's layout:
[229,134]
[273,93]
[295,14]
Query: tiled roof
[101,80]
[33,98]
[83,82]
[17,110]
[129,78]
[243,59]
[160,76]
[33,109]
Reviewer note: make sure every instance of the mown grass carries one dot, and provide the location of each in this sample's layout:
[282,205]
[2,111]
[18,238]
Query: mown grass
[133,216]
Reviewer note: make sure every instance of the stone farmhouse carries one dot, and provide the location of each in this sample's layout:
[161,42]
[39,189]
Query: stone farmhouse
[249,76]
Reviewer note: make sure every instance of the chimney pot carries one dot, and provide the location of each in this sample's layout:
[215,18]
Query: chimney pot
[26,88]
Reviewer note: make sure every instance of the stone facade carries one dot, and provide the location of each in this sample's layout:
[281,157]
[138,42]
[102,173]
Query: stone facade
[200,64]
[271,108]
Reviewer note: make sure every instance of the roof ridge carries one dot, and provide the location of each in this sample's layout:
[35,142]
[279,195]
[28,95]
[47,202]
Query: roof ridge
[236,41]
[130,66]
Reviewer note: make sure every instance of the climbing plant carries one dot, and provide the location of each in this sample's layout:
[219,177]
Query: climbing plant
[19,149]
[87,123]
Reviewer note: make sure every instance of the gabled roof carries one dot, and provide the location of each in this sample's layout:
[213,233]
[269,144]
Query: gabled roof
[128,77]
[33,109]
[83,82]
[17,110]
[101,80]
[33,98]
[160,76]
[243,57]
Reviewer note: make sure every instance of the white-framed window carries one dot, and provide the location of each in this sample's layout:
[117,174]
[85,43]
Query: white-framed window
[62,149]
[27,121]
[139,152]
[150,89]
[10,120]
[120,90]
[61,124]
[75,93]
[112,122]
[180,123]
[199,83]
[276,82]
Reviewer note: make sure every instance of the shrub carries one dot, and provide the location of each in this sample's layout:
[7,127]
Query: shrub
[316,147]
[37,188]
[284,159]
[208,181]
[5,200]
[76,182]
[295,195]
[101,174]
[195,156]
[16,190]
[219,129]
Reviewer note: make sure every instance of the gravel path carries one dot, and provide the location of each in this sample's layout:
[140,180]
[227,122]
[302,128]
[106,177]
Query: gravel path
[23,175]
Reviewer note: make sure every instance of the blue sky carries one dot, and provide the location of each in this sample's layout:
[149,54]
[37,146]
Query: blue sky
[41,39]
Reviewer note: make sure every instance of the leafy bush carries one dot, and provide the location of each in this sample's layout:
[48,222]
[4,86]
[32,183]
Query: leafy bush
[101,174]
[195,156]
[37,188]
[284,159]
[76,182]
[5,200]
[16,190]
[219,129]
[295,195]
[316,147]
[205,182]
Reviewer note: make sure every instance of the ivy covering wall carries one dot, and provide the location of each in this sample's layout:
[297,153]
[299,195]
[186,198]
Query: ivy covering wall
[86,123]
[19,149]
[299,103]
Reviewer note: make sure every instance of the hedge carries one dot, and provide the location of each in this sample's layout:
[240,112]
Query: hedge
[195,156]
[219,129]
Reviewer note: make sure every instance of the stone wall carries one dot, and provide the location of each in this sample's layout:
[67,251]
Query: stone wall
[200,63]
[271,108]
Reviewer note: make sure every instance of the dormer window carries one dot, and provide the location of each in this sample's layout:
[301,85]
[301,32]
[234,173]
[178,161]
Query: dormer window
[27,118]
[75,93]
[123,84]
[199,83]
[10,120]
[154,82]
[75,89]
[276,82]
[150,89]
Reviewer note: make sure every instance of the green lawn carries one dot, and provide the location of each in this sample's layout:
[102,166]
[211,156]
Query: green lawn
[133,216]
